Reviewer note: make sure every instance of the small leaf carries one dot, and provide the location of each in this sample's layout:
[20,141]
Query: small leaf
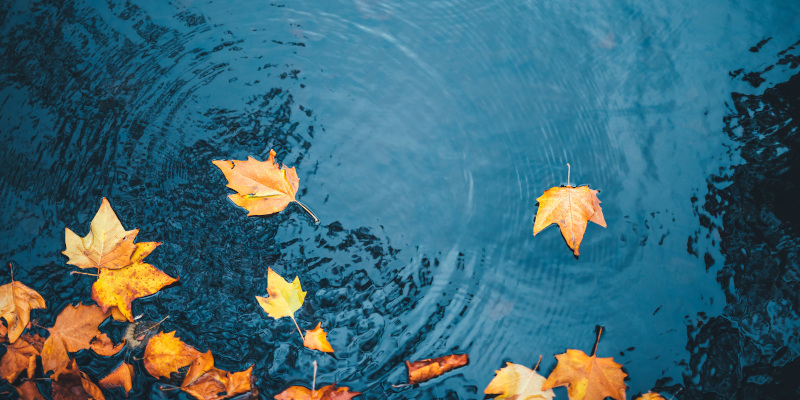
[651,396]
[571,208]
[122,377]
[323,393]
[284,298]
[424,370]
[317,339]
[516,381]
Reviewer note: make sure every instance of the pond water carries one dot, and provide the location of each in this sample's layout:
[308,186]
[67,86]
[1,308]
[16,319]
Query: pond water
[422,133]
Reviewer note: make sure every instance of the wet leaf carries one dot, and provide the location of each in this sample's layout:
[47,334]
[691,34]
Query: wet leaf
[424,370]
[571,208]
[28,391]
[73,384]
[262,188]
[651,396]
[323,393]
[16,303]
[317,339]
[108,244]
[20,356]
[76,329]
[205,382]
[588,377]
[284,298]
[117,288]
[166,354]
[516,381]
[122,377]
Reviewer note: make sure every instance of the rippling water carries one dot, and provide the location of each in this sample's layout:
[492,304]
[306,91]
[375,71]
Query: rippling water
[422,132]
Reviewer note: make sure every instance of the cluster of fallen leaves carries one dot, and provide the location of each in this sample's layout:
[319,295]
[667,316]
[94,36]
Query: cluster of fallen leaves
[262,188]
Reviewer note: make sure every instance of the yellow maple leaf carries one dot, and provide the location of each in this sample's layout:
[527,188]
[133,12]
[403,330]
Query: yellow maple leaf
[515,381]
[107,245]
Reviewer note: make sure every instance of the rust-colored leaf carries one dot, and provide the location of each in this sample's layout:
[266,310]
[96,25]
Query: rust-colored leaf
[76,329]
[20,356]
[317,339]
[516,381]
[108,244]
[28,391]
[16,303]
[117,288]
[571,208]
[588,377]
[324,393]
[205,382]
[424,370]
[122,377]
[165,354]
[261,187]
[73,384]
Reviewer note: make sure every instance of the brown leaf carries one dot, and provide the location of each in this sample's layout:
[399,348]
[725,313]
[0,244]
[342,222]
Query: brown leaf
[323,393]
[166,354]
[317,339]
[72,384]
[122,377]
[20,356]
[424,370]
[262,188]
[108,244]
[571,208]
[16,303]
[586,377]
[75,329]
[28,391]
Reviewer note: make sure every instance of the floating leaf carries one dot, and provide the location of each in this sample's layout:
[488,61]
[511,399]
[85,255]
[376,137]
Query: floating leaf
[571,208]
[165,354]
[262,188]
[28,391]
[108,244]
[284,298]
[651,396]
[424,370]
[73,384]
[324,393]
[205,382]
[16,303]
[317,339]
[516,381]
[20,356]
[122,377]
[586,377]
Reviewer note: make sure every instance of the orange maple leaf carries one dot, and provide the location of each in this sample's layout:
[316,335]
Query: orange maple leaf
[317,339]
[165,354]
[262,188]
[324,393]
[117,288]
[121,377]
[571,208]
[107,245]
[20,356]
[586,377]
[16,303]
[72,383]
[424,370]
[76,329]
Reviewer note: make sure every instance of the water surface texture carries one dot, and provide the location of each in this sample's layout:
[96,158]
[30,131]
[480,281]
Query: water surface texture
[422,133]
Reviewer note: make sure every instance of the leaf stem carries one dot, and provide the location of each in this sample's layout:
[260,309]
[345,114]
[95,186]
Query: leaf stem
[594,349]
[83,273]
[569,170]
[298,328]
[154,326]
[11,268]
[314,381]
[316,220]
[537,363]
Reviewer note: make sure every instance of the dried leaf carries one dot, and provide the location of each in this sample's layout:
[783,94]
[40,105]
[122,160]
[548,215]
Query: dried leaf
[16,303]
[571,208]
[205,382]
[76,329]
[424,370]
[73,384]
[117,288]
[262,188]
[20,356]
[323,393]
[28,391]
[108,244]
[651,396]
[284,298]
[317,339]
[516,381]
[122,377]
[165,354]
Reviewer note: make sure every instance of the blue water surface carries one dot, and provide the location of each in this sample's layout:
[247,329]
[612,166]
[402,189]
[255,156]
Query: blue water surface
[422,133]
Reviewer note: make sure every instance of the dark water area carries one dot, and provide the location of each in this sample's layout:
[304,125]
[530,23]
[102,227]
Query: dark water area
[422,133]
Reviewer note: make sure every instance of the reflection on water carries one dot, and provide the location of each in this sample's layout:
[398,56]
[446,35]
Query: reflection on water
[422,133]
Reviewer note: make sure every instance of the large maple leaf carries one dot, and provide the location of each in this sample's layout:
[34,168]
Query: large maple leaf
[117,288]
[516,381]
[571,208]
[262,188]
[588,377]
[425,370]
[107,245]
[76,329]
[324,393]
[16,303]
